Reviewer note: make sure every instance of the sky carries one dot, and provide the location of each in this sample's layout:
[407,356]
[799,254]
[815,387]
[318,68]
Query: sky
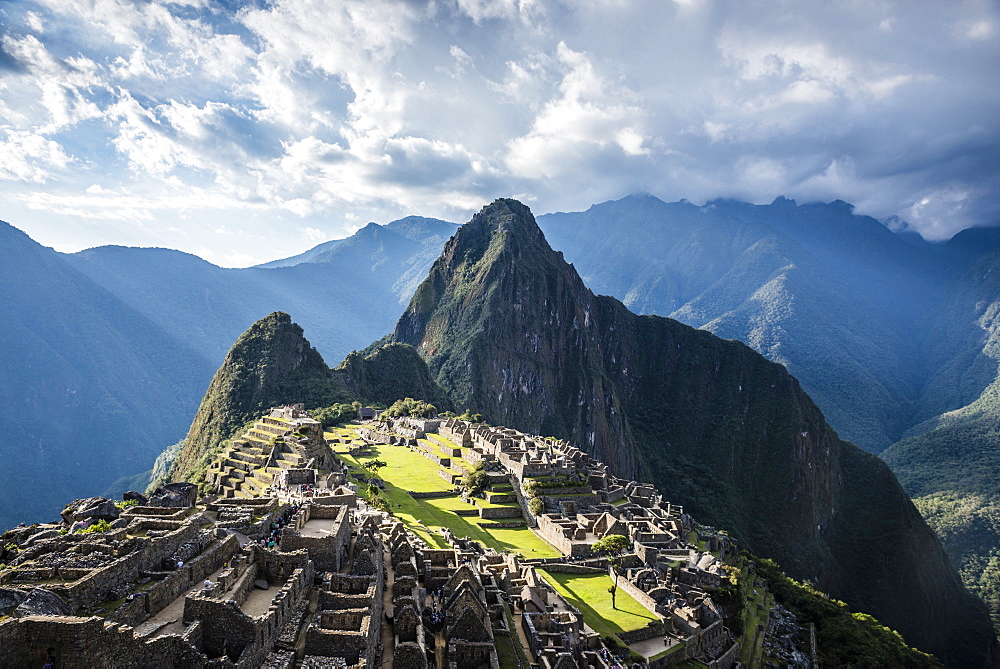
[244,131]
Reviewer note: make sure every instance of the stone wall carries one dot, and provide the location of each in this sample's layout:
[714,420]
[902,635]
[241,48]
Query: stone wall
[244,639]
[504,525]
[653,629]
[326,551]
[568,568]
[634,592]
[164,512]
[463,653]
[82,643]
[438,494]
[492,512]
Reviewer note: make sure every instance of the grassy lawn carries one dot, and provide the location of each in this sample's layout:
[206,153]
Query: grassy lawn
[406,470]
[444,440]
[589,593]
[404,467]
[435,448]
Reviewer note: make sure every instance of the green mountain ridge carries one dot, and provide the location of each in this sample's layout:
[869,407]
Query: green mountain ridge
[950,463]
[509,330]
[272,363]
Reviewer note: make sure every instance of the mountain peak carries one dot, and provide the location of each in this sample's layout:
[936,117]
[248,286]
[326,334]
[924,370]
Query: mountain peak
[492,257]
[267,360]
[504,215]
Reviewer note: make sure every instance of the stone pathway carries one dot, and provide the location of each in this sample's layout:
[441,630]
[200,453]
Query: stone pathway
[516,615]
[652,647]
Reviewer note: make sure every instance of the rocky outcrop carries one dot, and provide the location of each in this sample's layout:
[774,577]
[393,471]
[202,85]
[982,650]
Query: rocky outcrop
[175,495]
[10,599]
[41,602]
[92,508]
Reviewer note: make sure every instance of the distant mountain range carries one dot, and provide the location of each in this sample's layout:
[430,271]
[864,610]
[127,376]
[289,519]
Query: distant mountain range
[858,313]
[107,352]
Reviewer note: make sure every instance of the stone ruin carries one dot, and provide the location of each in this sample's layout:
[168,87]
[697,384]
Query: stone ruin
[182,582]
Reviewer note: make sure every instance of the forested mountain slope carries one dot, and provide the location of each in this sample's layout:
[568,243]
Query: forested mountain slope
[91,389]
[509,330]
[951,464]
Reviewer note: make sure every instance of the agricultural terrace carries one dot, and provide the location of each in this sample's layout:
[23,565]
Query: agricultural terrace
[589,593]
[407,470]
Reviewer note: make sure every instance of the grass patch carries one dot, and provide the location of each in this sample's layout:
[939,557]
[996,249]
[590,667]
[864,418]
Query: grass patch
[443,440]
[406,470]
[404,467]
[589,593]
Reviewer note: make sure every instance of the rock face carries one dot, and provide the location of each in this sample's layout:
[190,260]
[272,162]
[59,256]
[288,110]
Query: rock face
[510,331]
[10,599]
[97,508]
[42,603]
[178,495]
[132,495]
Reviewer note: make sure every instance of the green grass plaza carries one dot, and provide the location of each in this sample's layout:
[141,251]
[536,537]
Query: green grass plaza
[407,471]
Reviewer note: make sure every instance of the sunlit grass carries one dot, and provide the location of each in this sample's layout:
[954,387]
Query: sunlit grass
[589,593]
[407,470]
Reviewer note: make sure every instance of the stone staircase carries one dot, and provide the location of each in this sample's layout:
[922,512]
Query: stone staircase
[246,469]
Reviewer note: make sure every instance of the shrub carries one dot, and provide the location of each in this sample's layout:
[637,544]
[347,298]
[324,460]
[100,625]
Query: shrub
[536,505]
[476,481]
[99,526]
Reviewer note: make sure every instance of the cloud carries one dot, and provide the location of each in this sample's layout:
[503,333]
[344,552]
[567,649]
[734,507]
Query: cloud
[308,115]
[30,157]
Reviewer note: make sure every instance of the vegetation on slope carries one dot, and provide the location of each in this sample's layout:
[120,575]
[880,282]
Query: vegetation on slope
[388,373]
[270,364]
[950,464]
[843,638]
[92,389]
[508,327]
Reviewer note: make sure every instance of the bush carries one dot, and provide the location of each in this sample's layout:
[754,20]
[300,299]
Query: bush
[99,526]
[334,414]
[476,481]
[536,505]
[411,407]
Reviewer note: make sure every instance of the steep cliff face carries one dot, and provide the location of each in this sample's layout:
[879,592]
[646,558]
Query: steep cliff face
[501,325]
[271,363]
[509,330]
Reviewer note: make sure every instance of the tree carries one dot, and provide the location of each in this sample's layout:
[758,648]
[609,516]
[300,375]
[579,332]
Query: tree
[411,407]
[374,465]
[476,481]
[614,545]
[376,499]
